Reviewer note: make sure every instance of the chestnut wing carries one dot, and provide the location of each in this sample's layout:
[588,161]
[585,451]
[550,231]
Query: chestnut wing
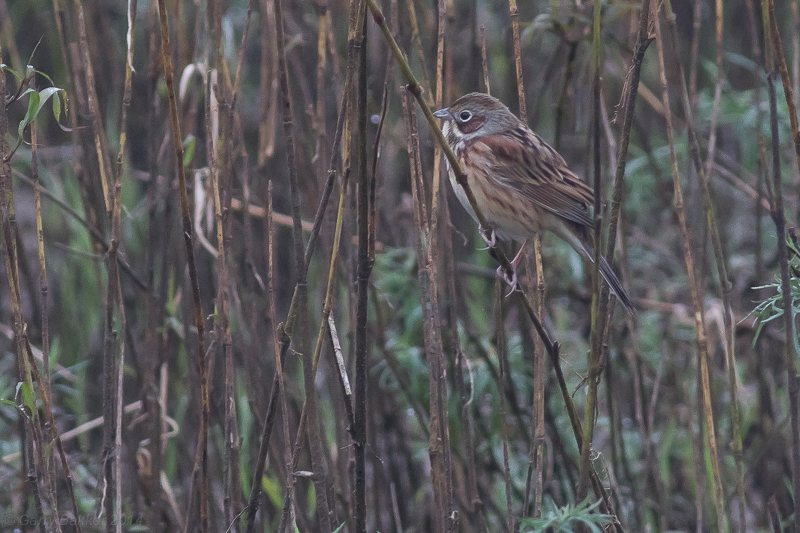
[523,161]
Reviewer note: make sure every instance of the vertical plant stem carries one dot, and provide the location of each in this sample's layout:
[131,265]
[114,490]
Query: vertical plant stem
[643,40]
[279,358]
[540,370]
[177,146]
[778,216]
[100,141]
[426,295]
[437,380]
[595,370]
[299,334]
[697,300]
[788,92]
[363,274]
[514,15]
[719,257]
[715,106]
[502,363]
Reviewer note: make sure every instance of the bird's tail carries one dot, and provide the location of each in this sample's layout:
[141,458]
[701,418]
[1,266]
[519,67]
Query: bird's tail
[616,286]
[580,239]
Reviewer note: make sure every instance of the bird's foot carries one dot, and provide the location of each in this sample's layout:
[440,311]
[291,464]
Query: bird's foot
[510,279]
[489,237]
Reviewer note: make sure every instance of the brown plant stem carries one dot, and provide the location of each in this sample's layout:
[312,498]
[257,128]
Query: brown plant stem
[778,217]
[177,146]
[697,299]
[285,333]
[595,369]
[299,334]
[502,363]
[359,432]
[719,257]
[429,306]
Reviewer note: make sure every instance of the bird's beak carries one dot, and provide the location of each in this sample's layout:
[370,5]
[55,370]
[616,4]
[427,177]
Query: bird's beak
[443,114]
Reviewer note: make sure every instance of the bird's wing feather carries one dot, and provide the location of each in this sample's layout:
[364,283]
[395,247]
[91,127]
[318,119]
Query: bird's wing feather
[524,161]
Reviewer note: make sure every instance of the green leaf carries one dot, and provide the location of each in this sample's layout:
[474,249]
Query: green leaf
[273,491]
[188,149]
[28,398]
[36,101]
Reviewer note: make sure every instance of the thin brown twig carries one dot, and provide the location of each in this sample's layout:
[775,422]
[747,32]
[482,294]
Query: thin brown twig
[177,145]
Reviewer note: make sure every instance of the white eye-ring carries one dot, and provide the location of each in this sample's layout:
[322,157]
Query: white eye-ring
[464,116]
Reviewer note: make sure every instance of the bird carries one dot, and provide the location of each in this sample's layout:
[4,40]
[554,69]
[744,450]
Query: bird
[521,184]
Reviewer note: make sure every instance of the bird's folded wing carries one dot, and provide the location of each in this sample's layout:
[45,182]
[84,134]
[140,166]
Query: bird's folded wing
[525,162]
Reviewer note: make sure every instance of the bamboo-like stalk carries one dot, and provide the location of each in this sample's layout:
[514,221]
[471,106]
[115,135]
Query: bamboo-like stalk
[300,322]
[188,230]
[439,442]
[539,380]
[715,105]
[628,103]
[502,363]
[697,300]
[100,141]
[116,235]
[719,257]
[31,442]
[268,84]
[777,60]
[595,369]
[287,331]
[220,113]
[643,40]
[778,218]
[364,269]
[279,357]
[534,263]
[47,473]
[429,307]
[788,92]
[111,381]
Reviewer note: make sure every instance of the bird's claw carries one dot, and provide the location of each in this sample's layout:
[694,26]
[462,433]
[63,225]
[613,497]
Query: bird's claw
[512,280]
[489,237]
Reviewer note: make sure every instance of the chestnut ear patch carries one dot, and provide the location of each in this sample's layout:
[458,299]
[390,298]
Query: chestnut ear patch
[471,125]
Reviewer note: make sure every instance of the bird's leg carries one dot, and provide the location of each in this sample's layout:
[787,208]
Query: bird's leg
[512,279]
[488,236]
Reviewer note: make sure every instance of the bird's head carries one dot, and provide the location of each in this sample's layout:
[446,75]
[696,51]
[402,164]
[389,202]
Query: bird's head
[473,115]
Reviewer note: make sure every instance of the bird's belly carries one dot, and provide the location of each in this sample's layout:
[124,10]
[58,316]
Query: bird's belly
[509,216]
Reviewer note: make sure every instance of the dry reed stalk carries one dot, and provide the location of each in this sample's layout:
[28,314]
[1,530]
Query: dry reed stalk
[697,299]
[713,228]
[594,364]
[432,341]
[299,333]
[177,146]
[502,363]
[776,60]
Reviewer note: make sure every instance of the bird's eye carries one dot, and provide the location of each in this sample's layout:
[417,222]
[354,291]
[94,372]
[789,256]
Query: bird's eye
[465,116]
